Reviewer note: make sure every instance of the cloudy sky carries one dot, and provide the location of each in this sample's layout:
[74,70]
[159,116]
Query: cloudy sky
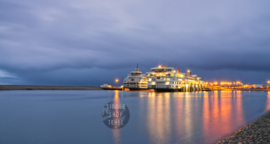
[86,42]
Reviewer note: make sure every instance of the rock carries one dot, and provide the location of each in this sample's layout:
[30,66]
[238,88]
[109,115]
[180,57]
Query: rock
[257,131]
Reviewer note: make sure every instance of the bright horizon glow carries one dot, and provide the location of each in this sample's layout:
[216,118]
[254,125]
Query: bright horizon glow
[225,83]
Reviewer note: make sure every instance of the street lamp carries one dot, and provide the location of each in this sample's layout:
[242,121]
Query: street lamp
[268,82]
[116,81]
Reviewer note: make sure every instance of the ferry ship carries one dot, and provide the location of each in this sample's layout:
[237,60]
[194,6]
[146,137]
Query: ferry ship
[163,78]
[136,80]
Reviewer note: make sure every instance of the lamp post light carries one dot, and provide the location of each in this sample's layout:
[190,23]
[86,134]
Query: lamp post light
[116,80]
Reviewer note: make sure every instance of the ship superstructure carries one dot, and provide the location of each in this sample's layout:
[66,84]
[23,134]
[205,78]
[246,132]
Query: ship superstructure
[136,80]
[163,78]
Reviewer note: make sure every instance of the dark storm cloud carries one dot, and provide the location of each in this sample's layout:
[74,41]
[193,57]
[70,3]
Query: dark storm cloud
[91,42]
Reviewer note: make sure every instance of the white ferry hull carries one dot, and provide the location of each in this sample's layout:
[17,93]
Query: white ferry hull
[134,86]
[166,90]
[134,89]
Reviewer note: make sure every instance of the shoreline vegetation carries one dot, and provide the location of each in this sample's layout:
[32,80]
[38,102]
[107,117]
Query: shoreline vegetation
[257,131]
[46,87]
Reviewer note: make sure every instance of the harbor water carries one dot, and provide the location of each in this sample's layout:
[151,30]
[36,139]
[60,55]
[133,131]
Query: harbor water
[69,117]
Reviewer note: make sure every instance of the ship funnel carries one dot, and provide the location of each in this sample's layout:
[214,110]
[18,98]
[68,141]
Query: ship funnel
[164,65]
[188,72]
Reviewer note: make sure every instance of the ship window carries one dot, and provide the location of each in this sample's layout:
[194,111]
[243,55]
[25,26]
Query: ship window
[135,74]
[158,77]
[161,70]
[132,79]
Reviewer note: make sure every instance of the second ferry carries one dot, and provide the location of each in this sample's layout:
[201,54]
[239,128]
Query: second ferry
[136,80]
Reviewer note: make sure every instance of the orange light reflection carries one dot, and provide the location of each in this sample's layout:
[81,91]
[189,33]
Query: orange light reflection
[268,101]
[220,106]
[159,117]
[116,132]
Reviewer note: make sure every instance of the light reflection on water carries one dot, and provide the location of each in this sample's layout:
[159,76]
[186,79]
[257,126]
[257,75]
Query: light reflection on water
[221,113]
[170,117]
[158,118]
[116,132]
[268,102]
[195,117]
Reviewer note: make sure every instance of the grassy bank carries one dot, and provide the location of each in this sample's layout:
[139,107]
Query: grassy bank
[257,132]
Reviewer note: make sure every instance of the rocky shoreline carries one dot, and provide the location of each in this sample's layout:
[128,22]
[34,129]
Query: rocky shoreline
[44,87]
[255,132]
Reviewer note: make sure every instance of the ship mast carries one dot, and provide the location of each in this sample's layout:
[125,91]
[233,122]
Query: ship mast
[137,67]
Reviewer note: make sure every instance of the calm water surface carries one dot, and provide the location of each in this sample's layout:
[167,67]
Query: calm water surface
[71,117]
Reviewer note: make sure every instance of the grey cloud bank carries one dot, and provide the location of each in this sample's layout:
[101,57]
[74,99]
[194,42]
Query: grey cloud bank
[92,42]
